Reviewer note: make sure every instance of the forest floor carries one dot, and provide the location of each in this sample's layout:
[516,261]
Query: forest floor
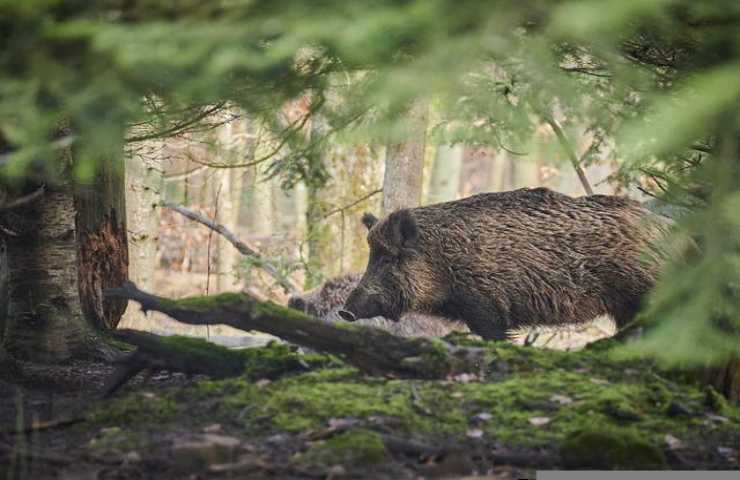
[296,415]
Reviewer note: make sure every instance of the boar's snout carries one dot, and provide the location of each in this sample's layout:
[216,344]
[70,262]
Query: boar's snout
[297,303]
[361,305]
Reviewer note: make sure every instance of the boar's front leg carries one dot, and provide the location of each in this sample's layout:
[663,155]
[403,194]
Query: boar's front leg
[482,321]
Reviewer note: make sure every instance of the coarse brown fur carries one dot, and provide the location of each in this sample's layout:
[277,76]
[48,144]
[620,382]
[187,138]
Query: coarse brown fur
[325,301]
[502,261]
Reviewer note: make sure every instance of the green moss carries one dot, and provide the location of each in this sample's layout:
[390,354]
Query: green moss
[598,391]
[207,302]
[115,440]
[298,405]
[618,402]
[229,362]
[136,407]
[715,401]
[611,449]
[356,448]
[276,359]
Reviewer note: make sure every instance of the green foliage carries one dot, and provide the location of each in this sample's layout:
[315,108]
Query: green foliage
[655,79]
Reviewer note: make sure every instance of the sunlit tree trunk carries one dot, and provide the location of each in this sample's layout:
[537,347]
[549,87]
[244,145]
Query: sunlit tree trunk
[144,183]
[317,230]
[404,164]
[71,245]
[445,179]
[233,137]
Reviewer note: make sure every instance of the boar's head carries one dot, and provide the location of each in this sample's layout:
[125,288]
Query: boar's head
[398,276]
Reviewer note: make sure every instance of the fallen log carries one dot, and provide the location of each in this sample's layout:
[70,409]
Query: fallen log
[371,350]
[196,356]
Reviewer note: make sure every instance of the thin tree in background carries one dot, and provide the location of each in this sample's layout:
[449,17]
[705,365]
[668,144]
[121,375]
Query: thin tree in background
[404,164]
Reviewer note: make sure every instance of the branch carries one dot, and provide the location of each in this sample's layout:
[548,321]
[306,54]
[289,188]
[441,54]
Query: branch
[175,177]
[570,152]
[356,202]
[177,128]
[19,202]
[243,248]
[372,350]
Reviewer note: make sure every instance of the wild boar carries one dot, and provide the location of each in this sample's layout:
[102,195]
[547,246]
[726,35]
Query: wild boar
[325,301]
[508,260]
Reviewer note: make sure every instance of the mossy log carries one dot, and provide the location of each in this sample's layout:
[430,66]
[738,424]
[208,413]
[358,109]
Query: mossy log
[369,349]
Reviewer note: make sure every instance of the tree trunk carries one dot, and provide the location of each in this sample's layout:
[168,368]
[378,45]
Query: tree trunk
[102,244]
[404,165]
[144,183]
[446,170]
[317,230]
[3,287]
[726,379]
[71,245]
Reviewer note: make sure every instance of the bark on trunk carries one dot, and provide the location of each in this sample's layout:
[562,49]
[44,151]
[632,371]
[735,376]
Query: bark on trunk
[234,140]
[102,244]
[45,320]
[446,173]
[70,245]
[726,379]
[404,165]
[317,230]
[3,287]
[144,183]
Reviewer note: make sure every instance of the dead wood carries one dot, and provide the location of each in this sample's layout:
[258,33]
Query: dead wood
[288,286]
[370,349]
[156,353]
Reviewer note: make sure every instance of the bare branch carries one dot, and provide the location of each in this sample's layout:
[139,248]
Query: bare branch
[352,204]
[180,127]
[24,200]
[174,177]
[288,286]
[570,152]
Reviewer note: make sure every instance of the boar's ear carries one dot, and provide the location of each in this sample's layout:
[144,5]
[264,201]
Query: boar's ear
[369,220]
[403,229]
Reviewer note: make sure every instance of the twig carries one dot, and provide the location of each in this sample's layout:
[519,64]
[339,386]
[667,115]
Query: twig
[416,402]
[46,425]
[531,337]
[354,203]
[178,128]
[184,175]
[26,199]
[242,247]
[567,147]
[8,232]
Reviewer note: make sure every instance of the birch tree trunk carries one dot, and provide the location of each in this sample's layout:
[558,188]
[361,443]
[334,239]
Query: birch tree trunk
[144,184]
[404,164]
